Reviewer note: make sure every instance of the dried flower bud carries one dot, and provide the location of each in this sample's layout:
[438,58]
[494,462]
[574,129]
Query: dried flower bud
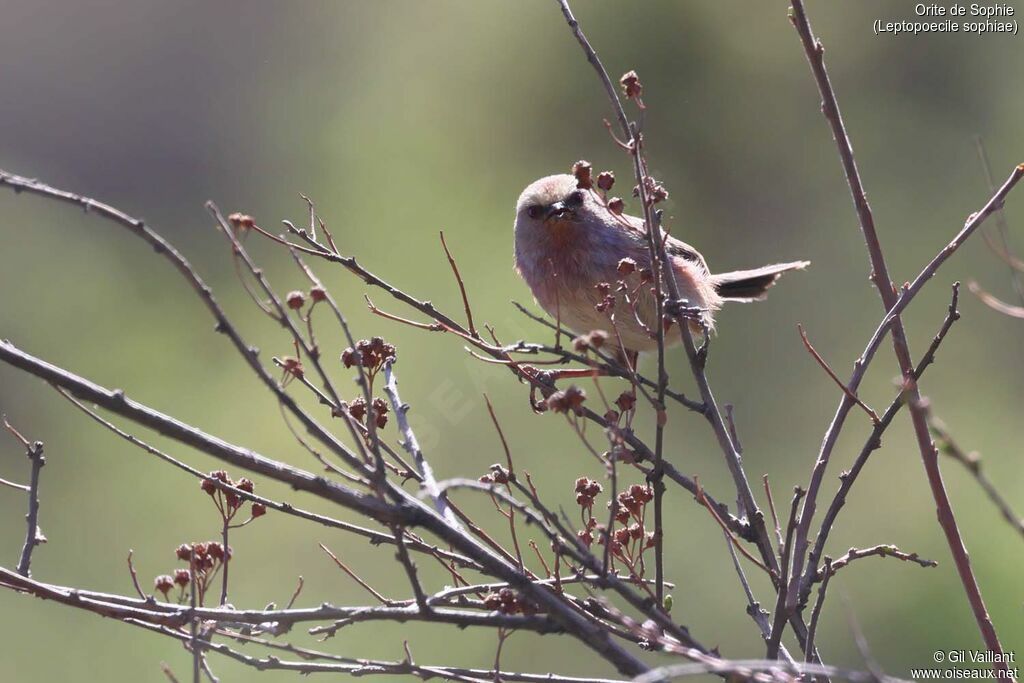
[492,601]
[163,583]
[586,537]
[499,474]
[622,536]
[216,551]
[626,401]
[616,205]
[245,485]
[184,552]
[380,412]
[295,300]
[241,221]
[293,367]
[182,577]
[594,339]
[357,408]
[318,293]
[631,85]
[603,288]
[605,180]
[582,170]
[208,486]
[201,549]
[258,510]
[564,400]
[626,267]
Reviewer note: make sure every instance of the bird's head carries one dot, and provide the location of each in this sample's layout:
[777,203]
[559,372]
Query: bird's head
[554,202]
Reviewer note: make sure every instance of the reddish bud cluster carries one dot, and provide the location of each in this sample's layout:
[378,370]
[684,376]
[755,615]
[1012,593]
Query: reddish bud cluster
[564,400]
[632,502]
[357,409]
[507,601]
[228,502]
[594,339]
[369,353]
[497,475]
[204,561]
[631,85]
[582,171]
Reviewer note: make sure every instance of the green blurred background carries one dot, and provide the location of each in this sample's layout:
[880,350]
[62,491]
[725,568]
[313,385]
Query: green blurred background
[403,118]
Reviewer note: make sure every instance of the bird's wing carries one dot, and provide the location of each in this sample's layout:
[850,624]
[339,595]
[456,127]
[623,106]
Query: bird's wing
[675,247]
[684,251]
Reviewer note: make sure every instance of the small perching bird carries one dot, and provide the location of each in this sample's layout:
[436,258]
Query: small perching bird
[568,242]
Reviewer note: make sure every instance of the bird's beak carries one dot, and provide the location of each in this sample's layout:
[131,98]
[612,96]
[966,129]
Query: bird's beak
[557,210]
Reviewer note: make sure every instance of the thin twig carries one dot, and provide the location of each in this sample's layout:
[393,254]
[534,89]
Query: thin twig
[835,378]
[462,286]
[355,577]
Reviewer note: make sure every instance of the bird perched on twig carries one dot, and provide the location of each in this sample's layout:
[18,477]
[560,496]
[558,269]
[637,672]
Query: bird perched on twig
[571,248]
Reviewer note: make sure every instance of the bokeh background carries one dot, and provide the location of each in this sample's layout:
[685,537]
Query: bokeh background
[402,118]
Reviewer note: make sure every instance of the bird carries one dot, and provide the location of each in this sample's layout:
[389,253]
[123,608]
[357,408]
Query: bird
[572,250]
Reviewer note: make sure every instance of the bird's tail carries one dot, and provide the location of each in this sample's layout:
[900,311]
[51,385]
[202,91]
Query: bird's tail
[752,285]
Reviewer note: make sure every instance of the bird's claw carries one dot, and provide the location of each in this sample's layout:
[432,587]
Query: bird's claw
[681,308]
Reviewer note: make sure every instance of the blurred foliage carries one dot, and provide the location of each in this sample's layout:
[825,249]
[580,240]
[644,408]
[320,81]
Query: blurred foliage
[400,119]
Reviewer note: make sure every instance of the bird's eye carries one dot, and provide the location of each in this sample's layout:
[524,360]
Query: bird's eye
[535,211]
[574,199]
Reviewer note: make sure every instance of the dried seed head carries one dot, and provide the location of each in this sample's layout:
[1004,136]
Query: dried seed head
[318,293]
[182,577]
[184,552]
[626,267]
[241,221]
[582,171]
[357,408]
[499,475]
[594,339]
[163,583]
[295,300]
[258,510]
[605,180]
[631,85]
[564,400]
[616,205]
[626,401]
[380,412]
